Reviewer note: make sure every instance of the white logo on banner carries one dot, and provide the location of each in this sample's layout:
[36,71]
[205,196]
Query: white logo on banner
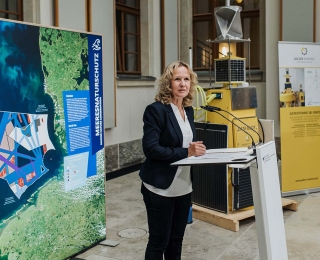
[96,45]
[298,55]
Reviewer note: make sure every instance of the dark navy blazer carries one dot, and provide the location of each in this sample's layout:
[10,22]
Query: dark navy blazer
[162,144]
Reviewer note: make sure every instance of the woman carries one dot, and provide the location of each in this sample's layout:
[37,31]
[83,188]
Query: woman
[169,136]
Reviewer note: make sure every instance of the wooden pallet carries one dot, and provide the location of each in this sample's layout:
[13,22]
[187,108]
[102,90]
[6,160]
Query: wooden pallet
[231,221]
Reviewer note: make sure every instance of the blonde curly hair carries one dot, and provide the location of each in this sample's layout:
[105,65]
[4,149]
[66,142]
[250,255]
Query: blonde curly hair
[164,84]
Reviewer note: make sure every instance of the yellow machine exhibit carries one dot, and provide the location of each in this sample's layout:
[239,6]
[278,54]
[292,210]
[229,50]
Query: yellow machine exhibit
[232,94]
[222,98]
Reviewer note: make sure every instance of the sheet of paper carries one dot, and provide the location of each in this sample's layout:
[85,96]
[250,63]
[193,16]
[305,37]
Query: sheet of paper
[218,155]
[228,150]
[243,160]
[226,153]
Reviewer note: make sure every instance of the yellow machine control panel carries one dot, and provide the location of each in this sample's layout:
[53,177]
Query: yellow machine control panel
[229,111]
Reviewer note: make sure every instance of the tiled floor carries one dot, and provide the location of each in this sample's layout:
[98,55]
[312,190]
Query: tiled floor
[203,241]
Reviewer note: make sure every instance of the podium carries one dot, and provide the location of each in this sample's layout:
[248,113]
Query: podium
[266,195]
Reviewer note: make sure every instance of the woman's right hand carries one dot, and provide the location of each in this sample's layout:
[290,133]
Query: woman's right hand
[196,149]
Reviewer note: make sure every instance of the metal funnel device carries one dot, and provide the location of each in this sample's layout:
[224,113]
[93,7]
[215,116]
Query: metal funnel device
[228,22]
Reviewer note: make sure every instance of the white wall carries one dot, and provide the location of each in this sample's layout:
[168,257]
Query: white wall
[72,14]
[131,102]
[155,33]
[297,20]
[272,13]
[38,11]
[171,25]
[29,11]
[44,9]
[103,22]
[150,33]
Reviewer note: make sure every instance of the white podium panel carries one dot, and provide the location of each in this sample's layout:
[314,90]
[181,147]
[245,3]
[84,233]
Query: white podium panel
[267,204]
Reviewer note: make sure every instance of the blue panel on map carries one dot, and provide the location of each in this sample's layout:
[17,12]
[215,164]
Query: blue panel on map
[77,118]
[96,94]
[78,126]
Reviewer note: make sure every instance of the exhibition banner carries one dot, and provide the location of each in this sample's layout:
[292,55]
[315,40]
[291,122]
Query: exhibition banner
[299,95]
[52,199]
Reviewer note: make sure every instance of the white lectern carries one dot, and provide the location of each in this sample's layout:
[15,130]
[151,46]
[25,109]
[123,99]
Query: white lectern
[266,197]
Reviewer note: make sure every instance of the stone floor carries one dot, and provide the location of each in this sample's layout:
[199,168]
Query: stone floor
[127,224]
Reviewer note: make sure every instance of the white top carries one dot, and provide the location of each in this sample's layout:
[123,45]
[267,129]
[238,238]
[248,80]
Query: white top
[181,184]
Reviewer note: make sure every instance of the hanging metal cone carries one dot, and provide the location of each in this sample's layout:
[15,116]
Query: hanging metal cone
[228,22]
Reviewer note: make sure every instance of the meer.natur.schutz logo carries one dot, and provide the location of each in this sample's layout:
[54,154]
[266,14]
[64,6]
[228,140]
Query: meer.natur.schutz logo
[96,45]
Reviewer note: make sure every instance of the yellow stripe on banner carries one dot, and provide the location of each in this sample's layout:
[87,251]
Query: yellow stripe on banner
[300,145]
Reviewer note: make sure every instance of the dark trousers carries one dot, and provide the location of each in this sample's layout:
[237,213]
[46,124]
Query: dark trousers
[167,221]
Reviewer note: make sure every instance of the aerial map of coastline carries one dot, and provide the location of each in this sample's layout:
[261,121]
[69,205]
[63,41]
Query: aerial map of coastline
[39,219]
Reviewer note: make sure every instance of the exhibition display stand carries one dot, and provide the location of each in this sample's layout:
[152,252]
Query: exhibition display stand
[266,195]
[299,96]
[52,161]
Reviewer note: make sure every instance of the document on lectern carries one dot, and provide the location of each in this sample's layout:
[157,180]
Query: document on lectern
[219,156]
[221,153]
